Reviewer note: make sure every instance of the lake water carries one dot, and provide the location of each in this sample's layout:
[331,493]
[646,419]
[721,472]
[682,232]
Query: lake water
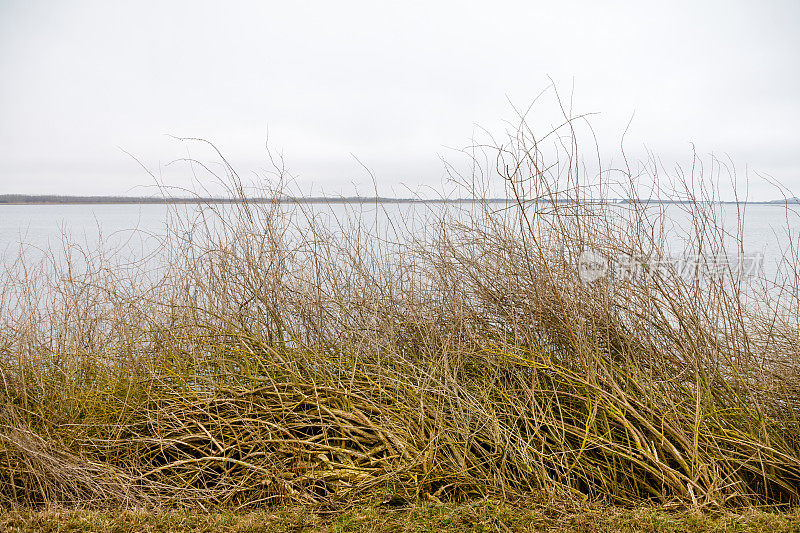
[133,231]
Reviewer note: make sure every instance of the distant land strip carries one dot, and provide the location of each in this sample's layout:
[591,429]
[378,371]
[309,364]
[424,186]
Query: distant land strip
[57,199]
[47,199]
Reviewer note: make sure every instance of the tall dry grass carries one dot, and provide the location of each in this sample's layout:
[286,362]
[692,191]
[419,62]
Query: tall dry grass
[275,356]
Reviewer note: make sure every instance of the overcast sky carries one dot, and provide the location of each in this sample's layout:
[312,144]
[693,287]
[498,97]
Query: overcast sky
[394,84]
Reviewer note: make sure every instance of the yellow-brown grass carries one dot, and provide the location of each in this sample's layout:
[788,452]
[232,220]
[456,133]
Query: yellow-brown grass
[273,358]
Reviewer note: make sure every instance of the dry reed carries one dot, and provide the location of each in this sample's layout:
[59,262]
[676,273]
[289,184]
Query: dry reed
[275,357]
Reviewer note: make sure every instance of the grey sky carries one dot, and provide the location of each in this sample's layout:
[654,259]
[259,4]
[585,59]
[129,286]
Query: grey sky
[392,83]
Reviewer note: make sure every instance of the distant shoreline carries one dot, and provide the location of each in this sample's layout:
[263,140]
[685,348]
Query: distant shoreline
[24,199]
[27,199]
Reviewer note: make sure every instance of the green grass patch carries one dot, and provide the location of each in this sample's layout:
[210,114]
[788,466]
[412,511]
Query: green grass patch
[484,516]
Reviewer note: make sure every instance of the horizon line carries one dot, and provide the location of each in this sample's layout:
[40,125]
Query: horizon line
[55,199]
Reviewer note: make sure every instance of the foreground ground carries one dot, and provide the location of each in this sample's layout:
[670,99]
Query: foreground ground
[485,516]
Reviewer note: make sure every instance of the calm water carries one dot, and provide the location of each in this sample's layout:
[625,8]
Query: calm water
[132,231]
[47,227]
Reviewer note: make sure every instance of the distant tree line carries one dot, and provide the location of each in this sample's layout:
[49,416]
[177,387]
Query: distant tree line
[65,199]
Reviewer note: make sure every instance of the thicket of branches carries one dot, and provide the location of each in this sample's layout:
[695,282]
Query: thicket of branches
[275,356]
